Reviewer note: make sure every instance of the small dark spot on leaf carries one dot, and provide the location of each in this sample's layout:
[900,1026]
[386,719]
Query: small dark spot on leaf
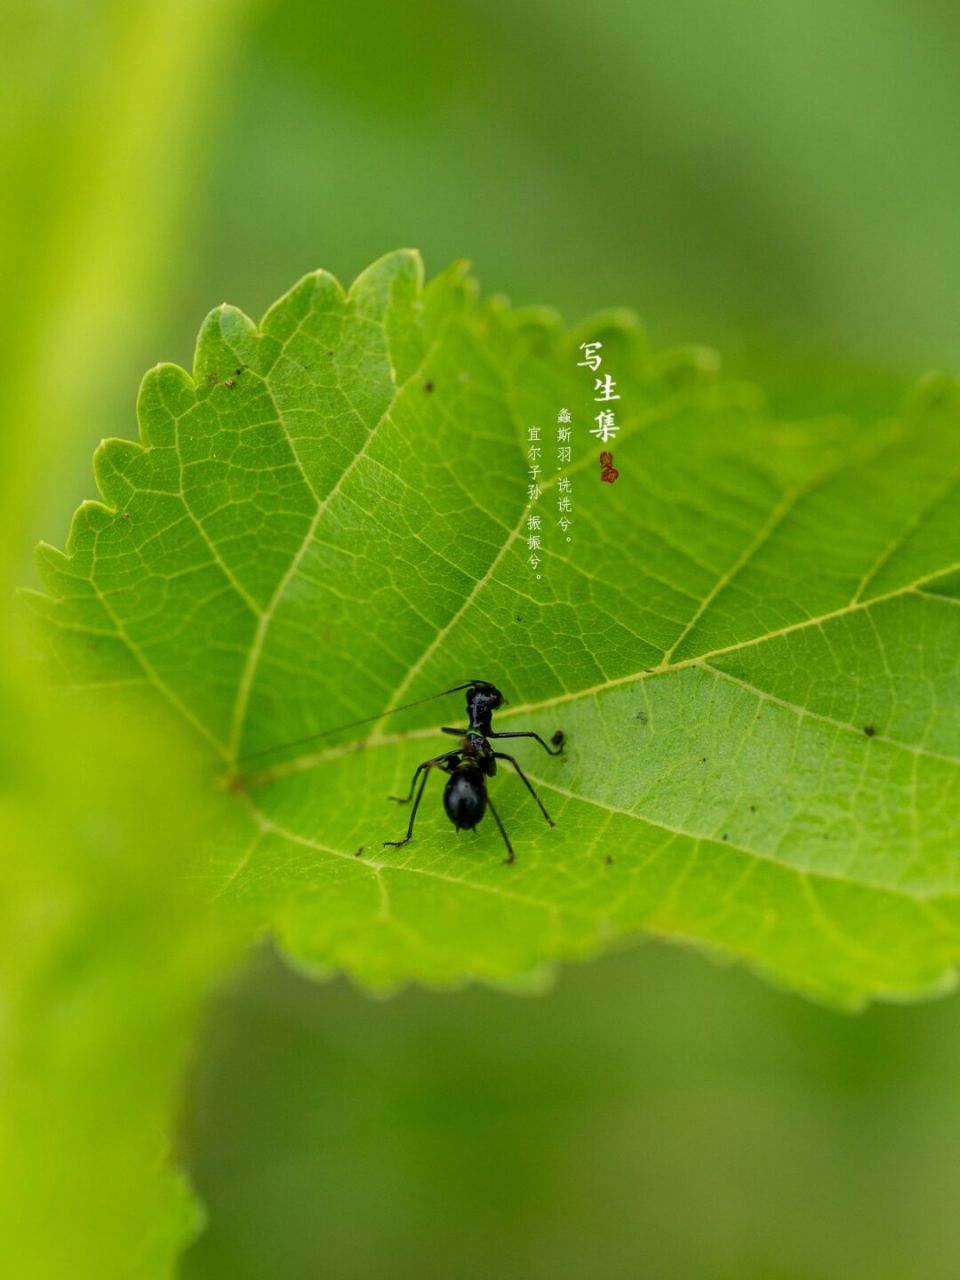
[608,860]
[428,386]
[125,515]
[642,717]
[329,353]
[725,836]
[358,851]
[557,738]
[240,370]
[519,617]
[753,808]
[869,730]
[703,759]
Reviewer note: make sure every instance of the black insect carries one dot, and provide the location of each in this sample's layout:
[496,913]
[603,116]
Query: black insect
[465,795]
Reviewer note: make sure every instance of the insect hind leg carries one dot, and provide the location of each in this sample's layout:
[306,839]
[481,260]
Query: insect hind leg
[506,839]
[501,755]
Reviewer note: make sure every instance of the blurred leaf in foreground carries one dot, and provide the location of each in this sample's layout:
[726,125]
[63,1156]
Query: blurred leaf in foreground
[751,641]
[108,955]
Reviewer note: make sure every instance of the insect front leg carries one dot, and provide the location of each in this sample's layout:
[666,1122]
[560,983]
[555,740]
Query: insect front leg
[557,740]
[427,764]
[423,768]
[499,755]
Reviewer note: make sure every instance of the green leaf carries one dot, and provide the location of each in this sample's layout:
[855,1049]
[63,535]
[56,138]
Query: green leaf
[750,642]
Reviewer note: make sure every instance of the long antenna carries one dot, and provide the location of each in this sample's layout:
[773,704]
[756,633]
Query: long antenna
[354,724]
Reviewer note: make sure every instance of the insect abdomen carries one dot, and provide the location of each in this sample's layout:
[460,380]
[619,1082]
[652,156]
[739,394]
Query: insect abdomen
[465,797]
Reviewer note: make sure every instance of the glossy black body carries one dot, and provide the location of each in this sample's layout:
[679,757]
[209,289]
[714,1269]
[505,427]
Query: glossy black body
[482,701]
[465,796]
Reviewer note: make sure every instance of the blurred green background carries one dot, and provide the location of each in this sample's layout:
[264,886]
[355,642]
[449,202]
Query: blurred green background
[780,179]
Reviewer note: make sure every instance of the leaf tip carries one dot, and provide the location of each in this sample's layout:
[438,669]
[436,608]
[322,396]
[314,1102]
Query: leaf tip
[227,338]
[382,276]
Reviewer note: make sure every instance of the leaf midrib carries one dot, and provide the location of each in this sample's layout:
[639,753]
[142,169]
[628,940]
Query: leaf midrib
[373,739]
